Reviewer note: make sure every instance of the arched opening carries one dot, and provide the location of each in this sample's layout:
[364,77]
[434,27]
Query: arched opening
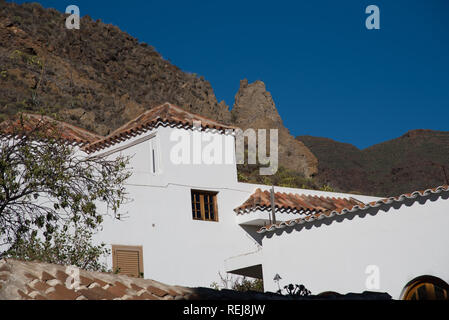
[426,288]
[328,294]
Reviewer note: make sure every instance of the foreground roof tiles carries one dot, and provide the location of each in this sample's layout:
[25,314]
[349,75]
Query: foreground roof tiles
[163,115]
[42,281]
[52,127]
[294,203]
[20,280]
[354,208]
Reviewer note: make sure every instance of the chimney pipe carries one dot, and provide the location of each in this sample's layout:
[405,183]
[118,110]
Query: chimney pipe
[273,214]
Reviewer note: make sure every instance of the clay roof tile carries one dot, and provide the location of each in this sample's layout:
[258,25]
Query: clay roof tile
[261,200]
[53,128]
[343,206]
[165,114]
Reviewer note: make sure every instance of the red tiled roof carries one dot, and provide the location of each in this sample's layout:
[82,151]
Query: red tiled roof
[22,280]
[43,281]
[354,208]
[52,127]
[294,203]
[163,115]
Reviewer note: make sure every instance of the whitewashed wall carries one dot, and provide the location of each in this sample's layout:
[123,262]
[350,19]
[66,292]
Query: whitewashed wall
[404,241]
[176,248]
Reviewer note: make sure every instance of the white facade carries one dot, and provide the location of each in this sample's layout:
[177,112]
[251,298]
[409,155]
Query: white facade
[403,242]
[394,243]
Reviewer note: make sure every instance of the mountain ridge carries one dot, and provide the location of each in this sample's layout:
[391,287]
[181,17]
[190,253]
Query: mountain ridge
[414,161]
[99,78]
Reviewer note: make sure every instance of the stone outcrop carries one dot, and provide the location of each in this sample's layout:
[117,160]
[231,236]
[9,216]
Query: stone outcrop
[254,108]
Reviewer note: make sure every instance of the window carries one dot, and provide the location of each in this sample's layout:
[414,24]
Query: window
[154,161]
[426,288]
[128,260]
[154,165]
[204,205]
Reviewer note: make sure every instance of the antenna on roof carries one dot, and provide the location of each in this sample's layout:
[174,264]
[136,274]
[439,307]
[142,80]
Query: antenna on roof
[273,208]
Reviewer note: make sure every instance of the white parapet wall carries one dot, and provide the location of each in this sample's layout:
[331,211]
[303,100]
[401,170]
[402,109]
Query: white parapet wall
[381,249]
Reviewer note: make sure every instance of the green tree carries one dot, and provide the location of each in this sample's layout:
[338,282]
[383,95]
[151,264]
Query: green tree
[67,247]
[46,185]
[237,283]
[248,285]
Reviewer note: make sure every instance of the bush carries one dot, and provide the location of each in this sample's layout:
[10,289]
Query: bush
[297,290]
[238,283]
[66,248]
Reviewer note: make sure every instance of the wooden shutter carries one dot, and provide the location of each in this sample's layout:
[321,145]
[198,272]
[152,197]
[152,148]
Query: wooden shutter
[127,260]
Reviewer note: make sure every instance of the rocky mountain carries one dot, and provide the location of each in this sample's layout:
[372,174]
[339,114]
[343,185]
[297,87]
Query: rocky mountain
[99,77]
[415,161]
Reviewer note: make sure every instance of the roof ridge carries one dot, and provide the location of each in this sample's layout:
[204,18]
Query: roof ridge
[78,134]
[163,114]
[293,200]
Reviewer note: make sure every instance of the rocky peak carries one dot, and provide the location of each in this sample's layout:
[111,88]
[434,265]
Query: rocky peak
[254,108]
[253,102]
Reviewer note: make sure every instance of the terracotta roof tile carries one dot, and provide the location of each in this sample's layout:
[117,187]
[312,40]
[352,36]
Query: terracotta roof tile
[52,127]
[46,276]
[341,210]
[100,282]
[15,285]
[24,295]
[4,268]
[163,115]
[30,276]
[84,281]
[294,203]
[147,296]
[118,290]
[135,287]
[41,286]
[61,292]
[98,293]
[156,291]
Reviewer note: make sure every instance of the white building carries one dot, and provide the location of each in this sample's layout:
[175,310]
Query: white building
[189,221]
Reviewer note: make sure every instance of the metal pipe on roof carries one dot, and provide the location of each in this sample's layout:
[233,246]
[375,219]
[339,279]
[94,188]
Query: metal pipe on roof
[273,208]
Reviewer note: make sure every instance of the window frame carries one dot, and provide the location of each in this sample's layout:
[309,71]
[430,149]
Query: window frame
[154,161]
[430,284]
[201,194]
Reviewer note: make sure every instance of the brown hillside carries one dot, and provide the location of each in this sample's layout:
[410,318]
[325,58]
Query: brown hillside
[410,162]
[99,78]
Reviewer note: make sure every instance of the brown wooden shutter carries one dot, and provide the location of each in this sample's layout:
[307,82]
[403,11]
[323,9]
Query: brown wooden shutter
[127,260]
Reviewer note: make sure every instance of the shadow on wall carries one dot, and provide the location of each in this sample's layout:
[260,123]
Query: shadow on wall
[252,232]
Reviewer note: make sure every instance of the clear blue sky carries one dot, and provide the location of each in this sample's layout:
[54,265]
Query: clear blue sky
[329,76]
